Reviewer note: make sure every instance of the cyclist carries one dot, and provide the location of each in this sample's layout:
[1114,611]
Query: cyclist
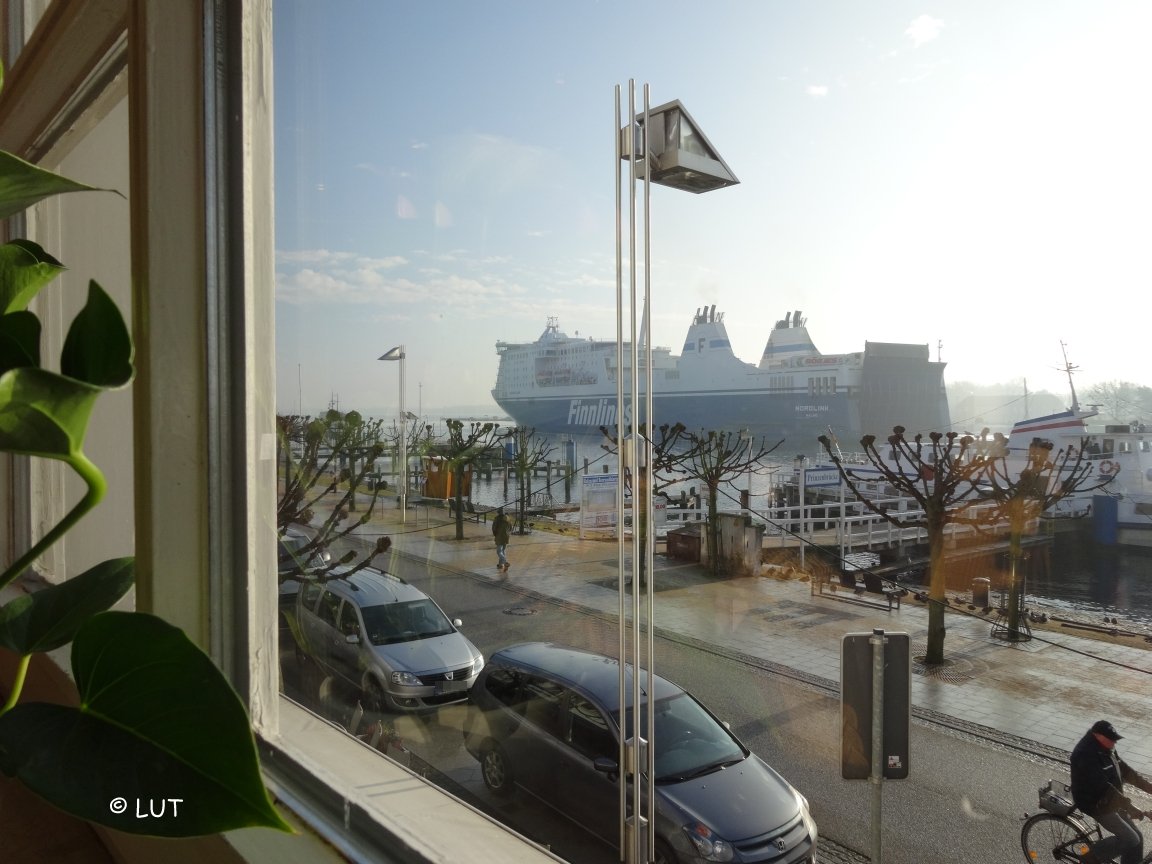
[1098,778]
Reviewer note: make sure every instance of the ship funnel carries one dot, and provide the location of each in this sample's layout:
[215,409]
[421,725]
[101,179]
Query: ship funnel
[712,313]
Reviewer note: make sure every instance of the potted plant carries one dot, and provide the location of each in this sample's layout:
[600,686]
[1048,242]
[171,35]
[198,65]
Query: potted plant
[157,727]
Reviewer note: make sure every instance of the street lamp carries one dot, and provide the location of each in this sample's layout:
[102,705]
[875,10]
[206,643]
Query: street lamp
[681,156]
[660,145]
[397,353]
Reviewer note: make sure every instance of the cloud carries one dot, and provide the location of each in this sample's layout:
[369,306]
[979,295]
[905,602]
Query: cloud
[314,256]
[324,278]
[818,91]
[924,29]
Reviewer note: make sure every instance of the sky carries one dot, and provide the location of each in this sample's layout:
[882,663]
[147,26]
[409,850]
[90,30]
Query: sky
[975,176]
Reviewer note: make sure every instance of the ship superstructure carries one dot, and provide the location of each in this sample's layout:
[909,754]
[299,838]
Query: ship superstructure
[563,384]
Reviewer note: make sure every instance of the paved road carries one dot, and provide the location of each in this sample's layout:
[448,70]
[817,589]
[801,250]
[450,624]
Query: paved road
[765,656]
[962,786]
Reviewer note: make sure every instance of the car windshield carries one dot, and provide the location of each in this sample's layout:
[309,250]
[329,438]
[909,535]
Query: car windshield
[291,559]
[689,741]
[390,623]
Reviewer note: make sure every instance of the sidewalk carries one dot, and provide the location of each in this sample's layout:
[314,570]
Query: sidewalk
[1045,692]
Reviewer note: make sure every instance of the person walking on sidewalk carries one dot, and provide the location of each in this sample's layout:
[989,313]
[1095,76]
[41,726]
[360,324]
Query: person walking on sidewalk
[501,529]
[1098,778]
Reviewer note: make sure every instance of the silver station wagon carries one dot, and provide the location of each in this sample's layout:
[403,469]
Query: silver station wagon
[388,638]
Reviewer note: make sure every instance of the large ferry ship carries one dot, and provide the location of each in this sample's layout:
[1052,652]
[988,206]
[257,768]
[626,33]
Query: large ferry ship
[561,384]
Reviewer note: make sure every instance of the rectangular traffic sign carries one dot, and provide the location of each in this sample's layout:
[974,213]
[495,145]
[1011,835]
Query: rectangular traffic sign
[856,705]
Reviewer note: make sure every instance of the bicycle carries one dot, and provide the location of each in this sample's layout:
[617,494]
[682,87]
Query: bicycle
[1059,834]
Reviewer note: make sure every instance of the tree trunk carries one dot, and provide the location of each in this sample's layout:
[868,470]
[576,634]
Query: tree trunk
[1016,523]
[523,491]
[458,478]
[936,595]
[713,532]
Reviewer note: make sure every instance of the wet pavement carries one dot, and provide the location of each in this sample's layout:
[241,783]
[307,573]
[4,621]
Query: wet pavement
[1037,696]
[1046,691]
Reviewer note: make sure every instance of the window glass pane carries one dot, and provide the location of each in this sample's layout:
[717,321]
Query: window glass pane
[446,328]
[588,730]
[329,606]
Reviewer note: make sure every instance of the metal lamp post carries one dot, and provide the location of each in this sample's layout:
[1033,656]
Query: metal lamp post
[660,145]
[397,353]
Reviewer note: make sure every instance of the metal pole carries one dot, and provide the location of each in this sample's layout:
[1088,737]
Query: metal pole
[403,447]
[622,799]
[876,778]
[803,515]
[649,516]
[636,851]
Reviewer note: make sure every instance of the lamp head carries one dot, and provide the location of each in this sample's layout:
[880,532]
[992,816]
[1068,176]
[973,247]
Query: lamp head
[682,157]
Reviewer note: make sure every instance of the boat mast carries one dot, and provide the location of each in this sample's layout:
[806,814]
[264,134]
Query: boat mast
[1069,369]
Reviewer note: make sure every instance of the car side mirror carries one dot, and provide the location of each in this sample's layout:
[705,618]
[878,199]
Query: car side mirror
[607,765]
[456,622]
[352,638]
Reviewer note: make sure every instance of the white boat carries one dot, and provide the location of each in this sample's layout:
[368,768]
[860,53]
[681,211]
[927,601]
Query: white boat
[1120,454]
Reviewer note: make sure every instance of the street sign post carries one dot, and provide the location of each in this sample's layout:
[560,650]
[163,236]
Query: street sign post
[857,710]
[875,714]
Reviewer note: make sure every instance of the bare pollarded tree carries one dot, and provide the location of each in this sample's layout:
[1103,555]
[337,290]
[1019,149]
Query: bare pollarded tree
[655,478]
[1024,491]
[717,457]
[466,445]
[532,451]
[941,473]
[322,457]
[973,481]
[714,457]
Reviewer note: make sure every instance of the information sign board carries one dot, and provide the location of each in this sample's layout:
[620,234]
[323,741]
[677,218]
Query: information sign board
[856,708]
[821,477]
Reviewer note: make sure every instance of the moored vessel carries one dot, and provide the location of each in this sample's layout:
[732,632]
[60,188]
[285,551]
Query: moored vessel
[1120,458]
[562,384]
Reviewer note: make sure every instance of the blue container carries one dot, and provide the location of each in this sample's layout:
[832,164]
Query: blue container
[1105,520]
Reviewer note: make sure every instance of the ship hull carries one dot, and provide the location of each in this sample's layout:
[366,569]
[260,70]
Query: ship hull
[767,415]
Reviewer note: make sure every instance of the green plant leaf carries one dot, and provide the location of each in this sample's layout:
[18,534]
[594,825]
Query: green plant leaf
[25,268]
[44,414]
[22,184]
[98,349]
[51,617]
[158,728]
[19,341]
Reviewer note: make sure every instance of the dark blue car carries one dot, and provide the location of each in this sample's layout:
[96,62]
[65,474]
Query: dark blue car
[544,718]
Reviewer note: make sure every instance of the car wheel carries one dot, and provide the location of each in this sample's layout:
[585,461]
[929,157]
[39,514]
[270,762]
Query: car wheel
[495,770]
[374,698]
[664,853]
